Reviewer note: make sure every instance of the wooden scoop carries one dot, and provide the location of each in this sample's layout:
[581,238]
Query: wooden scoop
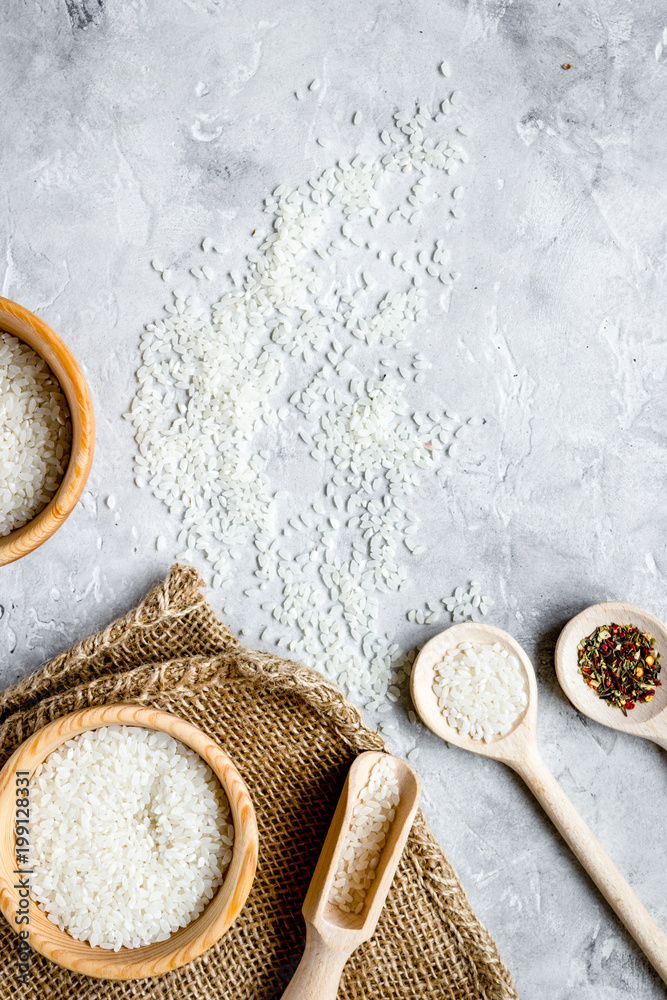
[331,935]
[647,719]
[518,748]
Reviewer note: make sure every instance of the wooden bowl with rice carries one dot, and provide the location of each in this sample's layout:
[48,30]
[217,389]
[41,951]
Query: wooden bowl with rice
[28,328]
[220,907]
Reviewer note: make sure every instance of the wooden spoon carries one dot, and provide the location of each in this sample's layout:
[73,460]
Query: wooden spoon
[518,748]
[331,935]
[647,719]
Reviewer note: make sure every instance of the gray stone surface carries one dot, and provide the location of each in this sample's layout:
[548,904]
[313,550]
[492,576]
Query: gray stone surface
[555,335]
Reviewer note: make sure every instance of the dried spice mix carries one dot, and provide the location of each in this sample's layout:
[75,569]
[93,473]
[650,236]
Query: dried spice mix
[621,664]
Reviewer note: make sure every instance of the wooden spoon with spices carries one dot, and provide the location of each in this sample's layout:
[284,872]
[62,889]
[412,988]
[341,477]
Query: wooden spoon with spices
[331,934]
[518,749]
[647,719]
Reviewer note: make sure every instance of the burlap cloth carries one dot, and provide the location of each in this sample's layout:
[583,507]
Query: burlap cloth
[293,736]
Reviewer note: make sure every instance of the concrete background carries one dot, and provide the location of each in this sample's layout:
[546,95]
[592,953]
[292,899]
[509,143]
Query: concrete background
[132,129]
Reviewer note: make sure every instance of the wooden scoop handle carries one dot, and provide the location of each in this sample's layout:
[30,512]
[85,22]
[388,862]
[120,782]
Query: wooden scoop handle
[594,859]
[318,973]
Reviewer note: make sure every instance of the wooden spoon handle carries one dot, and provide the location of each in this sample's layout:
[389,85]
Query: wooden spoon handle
[660,740]
[595,860]
[318,973]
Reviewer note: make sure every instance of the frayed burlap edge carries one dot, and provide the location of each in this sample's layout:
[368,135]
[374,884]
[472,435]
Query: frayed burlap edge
[79,675]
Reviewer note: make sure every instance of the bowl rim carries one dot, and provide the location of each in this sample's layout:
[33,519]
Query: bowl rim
[23,324]
[183,945]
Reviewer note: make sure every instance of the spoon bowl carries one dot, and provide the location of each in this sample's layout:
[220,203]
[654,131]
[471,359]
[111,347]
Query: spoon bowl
[518,749]
[331,934]
[507,747]
[647,719]
[316,906]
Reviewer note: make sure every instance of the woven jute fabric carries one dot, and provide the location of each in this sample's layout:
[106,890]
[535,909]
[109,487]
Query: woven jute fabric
[293,737]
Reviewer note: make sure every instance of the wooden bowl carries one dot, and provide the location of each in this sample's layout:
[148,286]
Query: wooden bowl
[188,942]
[33,331]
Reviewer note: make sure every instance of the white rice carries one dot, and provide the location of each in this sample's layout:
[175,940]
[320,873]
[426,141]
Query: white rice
[371,818]
[35,434]
[130,836]
[480,689]
[307,350]
[463,605]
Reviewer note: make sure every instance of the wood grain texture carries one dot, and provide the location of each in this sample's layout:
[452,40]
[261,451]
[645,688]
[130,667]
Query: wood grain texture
[518,749]
[649,719]
[187,943]
[331,934]
[21,323]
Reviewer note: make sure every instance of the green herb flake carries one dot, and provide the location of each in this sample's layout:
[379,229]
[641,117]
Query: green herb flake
[621,664]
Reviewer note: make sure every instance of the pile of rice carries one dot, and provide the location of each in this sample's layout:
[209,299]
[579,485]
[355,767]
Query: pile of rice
[480,689]
[308,347]
[35,434]
[130,836]
[371,818]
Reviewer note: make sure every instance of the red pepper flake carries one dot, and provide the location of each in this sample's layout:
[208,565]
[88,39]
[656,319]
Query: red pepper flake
[621,664]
